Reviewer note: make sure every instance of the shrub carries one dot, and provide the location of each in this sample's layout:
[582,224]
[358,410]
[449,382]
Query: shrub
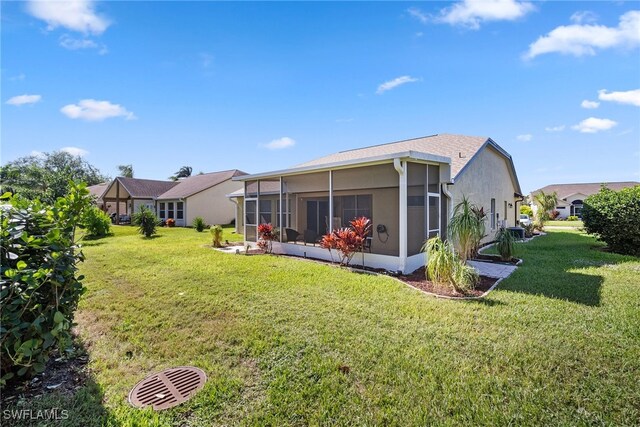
[199,224]
[216,235]
[466,228]
[572,218]
[613,217]
[444,267]
[170,222]
[505,243]
[96,222]
[554,214]
[528,230]
[526,210]
[146,221]
[348,241]
[40,289]
[266,234]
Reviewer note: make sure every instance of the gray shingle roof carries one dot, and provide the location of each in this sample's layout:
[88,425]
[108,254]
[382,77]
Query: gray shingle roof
[194,184]
[145,188]
[460,148]
[587,188]
[98,189]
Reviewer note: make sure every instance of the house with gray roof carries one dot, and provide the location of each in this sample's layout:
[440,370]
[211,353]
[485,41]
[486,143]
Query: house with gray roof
[201,195]
[571,196]
[407,188]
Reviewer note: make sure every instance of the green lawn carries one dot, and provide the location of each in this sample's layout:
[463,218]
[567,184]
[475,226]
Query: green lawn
[558,343]
[576,224]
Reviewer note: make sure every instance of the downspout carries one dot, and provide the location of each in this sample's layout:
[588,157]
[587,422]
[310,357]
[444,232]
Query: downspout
[448,195]
[401,168]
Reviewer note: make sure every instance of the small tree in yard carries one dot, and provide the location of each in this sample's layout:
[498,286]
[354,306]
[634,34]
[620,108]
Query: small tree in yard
[216,235]
[613,216]
[546,203]
[466,228]
[146,221]
[39,282]
[96,222]
[505,244]
[526,210]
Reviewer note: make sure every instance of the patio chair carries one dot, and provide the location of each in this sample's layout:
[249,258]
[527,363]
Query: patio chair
[292,235]
[310,236]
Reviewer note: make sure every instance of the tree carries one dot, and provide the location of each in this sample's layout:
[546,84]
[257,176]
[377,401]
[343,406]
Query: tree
[183,172]
[47,176]
[466,228]
[126,170]
[546,203]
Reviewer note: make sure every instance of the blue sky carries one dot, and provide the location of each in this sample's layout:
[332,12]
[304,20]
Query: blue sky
[264,86]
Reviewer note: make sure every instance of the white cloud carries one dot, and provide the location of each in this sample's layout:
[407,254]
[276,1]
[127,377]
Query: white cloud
[75,151]
[471,13]
[75,15]
[559,128]
[280,143]
[579,40]
[70,43]
[589,104]
[93,110]
[584,17]
[24,100]
[392,84]
[418,14]
[36,153]
[629,97]
[525,138]
[593,125]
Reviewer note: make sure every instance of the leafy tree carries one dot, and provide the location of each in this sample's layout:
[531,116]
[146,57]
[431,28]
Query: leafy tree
[546,203]
[526,210]
[47,176]
[183,172]
[126,170]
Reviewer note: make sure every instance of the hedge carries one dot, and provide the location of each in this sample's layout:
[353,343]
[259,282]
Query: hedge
[614,217]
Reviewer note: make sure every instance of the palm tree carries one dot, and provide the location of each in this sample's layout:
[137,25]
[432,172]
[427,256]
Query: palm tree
[466,228]
[183,172]
[546,203]
[126,170]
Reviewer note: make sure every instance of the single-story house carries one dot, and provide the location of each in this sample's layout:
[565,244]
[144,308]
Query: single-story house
[407,189]
[571,196]
[201,195]
[96,192]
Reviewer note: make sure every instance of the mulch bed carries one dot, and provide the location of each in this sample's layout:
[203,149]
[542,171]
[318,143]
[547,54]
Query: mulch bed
[418,280]
[60,375]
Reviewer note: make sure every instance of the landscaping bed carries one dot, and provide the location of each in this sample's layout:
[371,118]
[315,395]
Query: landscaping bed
[495,259]
[418,280]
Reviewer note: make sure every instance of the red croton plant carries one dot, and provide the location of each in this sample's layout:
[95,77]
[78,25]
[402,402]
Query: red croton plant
[267,235]
[349,240]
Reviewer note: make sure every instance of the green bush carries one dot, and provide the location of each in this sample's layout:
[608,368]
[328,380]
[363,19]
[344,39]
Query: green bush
[39,287]
[216,235]
[96,222]
[505,243]
[444,267]
[146,221]
[572,218]
[526,210]
[466,228]
[614,217]
[199,224]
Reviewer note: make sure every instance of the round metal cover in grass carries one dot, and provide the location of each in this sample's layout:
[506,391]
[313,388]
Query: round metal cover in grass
[168,388]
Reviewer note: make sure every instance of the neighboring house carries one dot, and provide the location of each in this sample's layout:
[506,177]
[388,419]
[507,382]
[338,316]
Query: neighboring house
[96,191]
[199,195]
[571,196]
[407,189]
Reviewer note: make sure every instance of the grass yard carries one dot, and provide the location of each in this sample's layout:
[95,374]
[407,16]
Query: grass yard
[576,224]
[558,343]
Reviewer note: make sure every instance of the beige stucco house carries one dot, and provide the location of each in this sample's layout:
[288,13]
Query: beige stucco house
[407,188]
[571,196]
[201,195]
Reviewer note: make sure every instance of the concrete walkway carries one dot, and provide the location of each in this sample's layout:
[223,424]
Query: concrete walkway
[231,249]
[490,269]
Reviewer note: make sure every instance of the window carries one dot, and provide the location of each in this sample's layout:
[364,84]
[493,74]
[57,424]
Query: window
[170,210]
[265,212]
[560,208]
[415,201]
[493,214]
[434,216]
[433,179]
[250,212]
[180,210]
[355,207]
[163,212]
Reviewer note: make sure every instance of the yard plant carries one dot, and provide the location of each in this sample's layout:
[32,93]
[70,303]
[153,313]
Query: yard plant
[445,267]
[147,221]
[546,203]
[96,222]
[505,243]
[292,342]
[466,228]
[216,235]
[199,224]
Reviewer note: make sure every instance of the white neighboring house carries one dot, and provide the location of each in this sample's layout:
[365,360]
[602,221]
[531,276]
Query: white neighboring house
[571,196]
[201,195]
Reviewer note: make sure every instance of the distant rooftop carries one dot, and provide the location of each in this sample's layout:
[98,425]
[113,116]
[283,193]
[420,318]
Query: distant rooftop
[586,188]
